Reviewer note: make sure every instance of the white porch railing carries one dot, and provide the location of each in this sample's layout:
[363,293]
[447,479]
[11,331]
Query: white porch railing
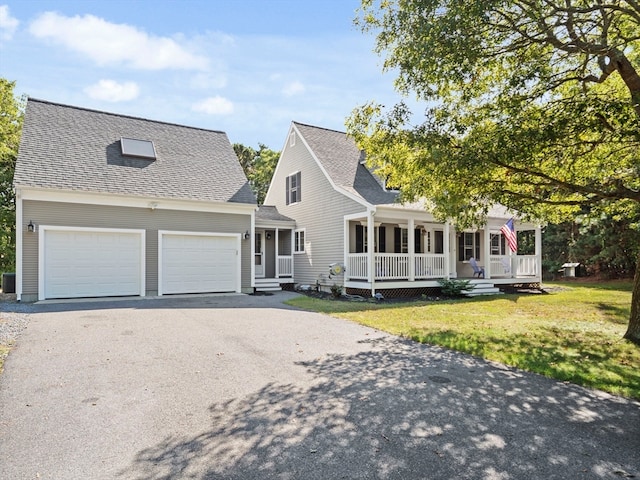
[357,266]
[503,266]
[392,266]
[285,265]
[500,266]
[527,266]
[395,266]
[429,265]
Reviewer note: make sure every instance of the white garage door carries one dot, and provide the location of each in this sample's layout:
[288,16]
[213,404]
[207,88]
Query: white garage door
[197,263]
[82,263]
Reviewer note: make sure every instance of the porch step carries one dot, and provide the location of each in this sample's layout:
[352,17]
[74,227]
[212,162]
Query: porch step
[482,288]
[267,285]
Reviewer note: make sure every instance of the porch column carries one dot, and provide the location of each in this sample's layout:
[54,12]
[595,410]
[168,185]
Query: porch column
[277,253]
[538,251]
[411,246]
[487,251]
[370,248]
[293,249]
[345,241]
[447,250]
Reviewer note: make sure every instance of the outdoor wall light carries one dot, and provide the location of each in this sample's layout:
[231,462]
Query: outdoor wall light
[268,235]
[247,235]
[31,227]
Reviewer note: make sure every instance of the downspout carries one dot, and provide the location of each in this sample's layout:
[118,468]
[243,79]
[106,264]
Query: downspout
[19,239]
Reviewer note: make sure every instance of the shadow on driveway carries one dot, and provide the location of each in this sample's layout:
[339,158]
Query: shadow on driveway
[407,411]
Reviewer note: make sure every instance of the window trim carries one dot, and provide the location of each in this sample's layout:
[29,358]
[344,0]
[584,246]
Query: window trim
[474,246]
[289,189]
[296,240]
[501,247]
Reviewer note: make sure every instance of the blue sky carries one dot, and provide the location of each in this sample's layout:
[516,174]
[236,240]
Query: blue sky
[247,67]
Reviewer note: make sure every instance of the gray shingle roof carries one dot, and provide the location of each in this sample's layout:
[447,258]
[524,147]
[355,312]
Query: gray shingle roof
[340,157]
[71,148]
[271,213]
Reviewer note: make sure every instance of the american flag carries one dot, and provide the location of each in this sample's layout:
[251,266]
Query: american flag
[509,233]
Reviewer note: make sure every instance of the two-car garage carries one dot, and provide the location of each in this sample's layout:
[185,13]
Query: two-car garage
[91,262]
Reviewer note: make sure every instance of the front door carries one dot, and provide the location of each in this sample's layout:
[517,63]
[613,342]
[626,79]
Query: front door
[259,254]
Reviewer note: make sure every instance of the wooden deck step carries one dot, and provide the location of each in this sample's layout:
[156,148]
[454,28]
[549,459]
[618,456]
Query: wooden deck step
[267,285]
[482,288]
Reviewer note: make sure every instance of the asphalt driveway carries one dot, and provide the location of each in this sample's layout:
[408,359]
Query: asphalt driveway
[244,387]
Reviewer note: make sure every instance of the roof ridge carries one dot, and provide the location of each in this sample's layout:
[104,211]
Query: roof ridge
[120,115]
[320,128]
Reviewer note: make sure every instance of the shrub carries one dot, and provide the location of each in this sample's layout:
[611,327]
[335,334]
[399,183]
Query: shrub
[336,290]
[454,288]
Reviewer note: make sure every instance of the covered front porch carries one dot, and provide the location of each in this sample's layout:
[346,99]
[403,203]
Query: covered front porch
[273,244]
[399,248]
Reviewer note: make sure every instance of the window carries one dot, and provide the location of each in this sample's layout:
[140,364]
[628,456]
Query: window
[468,246]
[401,240]
[298,241]
[434,241]
[137,148]
[293,188]
[498,244]
[379,239]
[438,238]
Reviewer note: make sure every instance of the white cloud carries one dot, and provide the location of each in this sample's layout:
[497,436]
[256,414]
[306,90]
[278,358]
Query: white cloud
[112,44]
[8,24]
[112,91]
[293,88]
[208,81]
[214,106]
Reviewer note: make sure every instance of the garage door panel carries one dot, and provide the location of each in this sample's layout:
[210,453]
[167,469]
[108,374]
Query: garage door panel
[92,264]
[199,264]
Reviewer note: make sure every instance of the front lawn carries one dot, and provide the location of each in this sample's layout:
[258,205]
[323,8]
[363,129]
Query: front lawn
[574,333]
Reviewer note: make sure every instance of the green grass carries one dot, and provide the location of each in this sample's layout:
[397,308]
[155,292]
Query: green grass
[573,334]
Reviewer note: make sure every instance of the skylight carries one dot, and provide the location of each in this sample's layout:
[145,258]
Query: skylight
[137,148]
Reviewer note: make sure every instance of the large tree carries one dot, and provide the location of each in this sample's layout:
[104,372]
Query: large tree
[258,166]
[11,112]
[534,104]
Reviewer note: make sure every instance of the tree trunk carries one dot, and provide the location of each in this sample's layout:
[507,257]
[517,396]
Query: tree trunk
[633,332]
[631,78]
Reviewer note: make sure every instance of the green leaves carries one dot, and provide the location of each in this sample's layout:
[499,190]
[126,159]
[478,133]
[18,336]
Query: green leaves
[11,114]
[523,115]
[258,166]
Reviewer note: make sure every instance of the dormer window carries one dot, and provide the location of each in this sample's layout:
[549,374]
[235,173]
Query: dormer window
[138,148]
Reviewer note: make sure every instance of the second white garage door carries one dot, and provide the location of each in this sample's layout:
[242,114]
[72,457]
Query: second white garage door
[198,263]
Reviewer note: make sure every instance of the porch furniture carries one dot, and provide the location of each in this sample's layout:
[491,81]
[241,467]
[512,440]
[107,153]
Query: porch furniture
[477,270]
[506,265]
